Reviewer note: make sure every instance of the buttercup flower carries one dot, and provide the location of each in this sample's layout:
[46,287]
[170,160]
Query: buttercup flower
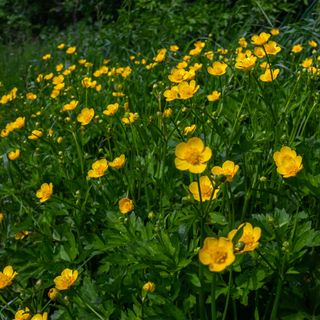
[260,39]
[207,189]
[1,216]
[66,280]
[245,61]
[125,205]
[53,294]
[272,48]
[40,316]
[35,134]
[218,68]
[312,43]
[217,253]
[85,116]
[21,234]
[13,155]
[45,192]
[70,106]
[228,169]
[111,109]
[214,96]
[269,75]
[71,50]
[171,94]
[189,129]
[275,31]
[22,314]
[118,162]
[98,168]
[192,155]
[7,276]
[297,48]
[287,162]
[187,90]
[149,286]
[249,239]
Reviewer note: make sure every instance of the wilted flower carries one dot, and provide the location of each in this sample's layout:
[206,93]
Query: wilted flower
[217,253]
[66,280]
[228,169]
[7,276]
[287,162]
[249,239]
[98,168]
[192,155]
[21,234]
[45,192]
[130,118]
[207,189]
[126,205]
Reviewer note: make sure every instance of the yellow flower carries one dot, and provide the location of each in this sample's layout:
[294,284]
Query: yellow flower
[174,48]
[45,192]
[111,109]
[125,205]
[22,314]
[192,155]
[189,129]
[228,169]
[209,55]
[21,235]
[249,239]
[218,68]
[66,280]
[7,276]
[35,134]
[53,294]
[272,48]
[217,253]
[59,67]
[179,75]
[207,189]
[70,106]
[118,162]
[312,43]
[71,50]
[259,52]
[287,162]
[13,155]
[31,96]
[98,168]
[245,61]
[167,113]
[260,39]
[306,63]
[40,316]
[243,43]
[160,55]
[269,75]
[61,46]
[214,96]
[85,116]
[1,216]
[275,31]
[187,90]
[297,48]
[46,56]
[149,286]
[130,118]
[171,94]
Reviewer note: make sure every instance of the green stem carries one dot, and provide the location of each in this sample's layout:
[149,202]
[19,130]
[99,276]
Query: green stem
[213,296]
[276,299]
[228,296]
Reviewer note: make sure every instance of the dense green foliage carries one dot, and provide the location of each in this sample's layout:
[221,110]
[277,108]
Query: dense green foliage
[124,55]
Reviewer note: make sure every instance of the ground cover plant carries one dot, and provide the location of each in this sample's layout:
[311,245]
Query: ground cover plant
[179,183]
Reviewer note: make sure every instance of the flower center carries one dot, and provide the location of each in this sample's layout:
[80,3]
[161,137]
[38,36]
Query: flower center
[194,157]
[220,257]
